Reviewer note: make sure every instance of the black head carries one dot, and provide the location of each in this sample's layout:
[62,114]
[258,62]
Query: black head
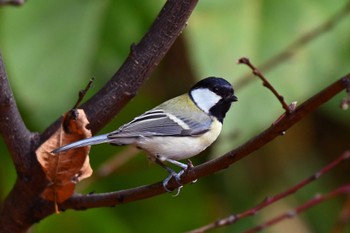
[213,95]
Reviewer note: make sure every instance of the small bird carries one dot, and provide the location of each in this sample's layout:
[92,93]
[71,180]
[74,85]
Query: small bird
[177,129]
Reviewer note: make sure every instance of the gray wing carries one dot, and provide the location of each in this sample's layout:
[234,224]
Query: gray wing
[158,123]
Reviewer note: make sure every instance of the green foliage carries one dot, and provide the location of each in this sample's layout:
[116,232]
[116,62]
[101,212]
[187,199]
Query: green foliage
[51,50]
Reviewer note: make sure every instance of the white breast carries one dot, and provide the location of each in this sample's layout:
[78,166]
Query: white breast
[179,148]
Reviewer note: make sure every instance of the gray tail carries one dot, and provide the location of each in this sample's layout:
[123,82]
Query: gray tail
[85,142]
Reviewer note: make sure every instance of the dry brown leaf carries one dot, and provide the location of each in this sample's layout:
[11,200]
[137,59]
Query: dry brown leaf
[65,169]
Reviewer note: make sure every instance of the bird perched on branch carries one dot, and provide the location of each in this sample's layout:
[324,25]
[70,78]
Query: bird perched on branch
[177,129]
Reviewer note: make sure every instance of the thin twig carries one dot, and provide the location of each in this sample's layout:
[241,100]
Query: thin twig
[270,200]
[114,198]
[266,83]
[73,114]
[345,189]
[83,92]
[300,42]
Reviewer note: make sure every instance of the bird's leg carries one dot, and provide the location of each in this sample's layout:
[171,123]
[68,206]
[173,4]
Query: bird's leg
[171,172]
[177,163]
[185,168]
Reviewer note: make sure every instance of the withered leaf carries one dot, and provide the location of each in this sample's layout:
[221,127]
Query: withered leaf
[65,169]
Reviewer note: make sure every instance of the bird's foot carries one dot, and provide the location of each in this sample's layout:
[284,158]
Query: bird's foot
[177,178]
[184,169]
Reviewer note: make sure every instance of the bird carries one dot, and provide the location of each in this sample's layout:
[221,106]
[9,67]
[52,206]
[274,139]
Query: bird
[177,129]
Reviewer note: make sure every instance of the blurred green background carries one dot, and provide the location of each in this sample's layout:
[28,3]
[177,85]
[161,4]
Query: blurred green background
[52,48]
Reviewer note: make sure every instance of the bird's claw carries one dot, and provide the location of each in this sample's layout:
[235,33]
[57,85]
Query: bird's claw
[177,177]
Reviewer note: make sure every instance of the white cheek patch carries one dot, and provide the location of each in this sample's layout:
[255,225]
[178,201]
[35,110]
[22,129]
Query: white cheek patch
[205,98]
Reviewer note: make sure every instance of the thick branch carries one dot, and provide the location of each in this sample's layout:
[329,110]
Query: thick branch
[12,127]
[278,128]
[30,180]
[142,60]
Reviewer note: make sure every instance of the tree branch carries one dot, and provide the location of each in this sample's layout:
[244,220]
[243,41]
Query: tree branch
[270,200]
[297,44]
[79,201]
[100,109]
[12,128]
[29,175]
[266,83]
[345,189]
[142,60]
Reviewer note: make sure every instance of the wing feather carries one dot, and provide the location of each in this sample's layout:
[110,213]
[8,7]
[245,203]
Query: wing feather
[158,123]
